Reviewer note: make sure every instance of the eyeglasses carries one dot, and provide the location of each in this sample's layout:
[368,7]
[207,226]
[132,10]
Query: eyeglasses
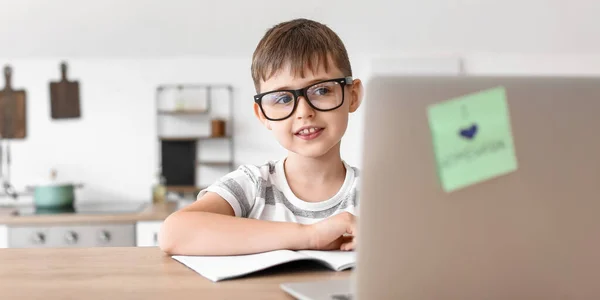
[322,96]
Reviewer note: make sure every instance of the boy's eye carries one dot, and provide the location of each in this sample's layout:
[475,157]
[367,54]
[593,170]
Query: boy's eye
[284,99]
[321,91]
[279,98]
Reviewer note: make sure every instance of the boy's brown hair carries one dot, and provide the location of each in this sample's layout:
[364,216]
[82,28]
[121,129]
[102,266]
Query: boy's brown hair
[303,44]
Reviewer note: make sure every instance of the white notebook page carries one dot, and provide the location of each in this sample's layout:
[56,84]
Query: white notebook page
[218,268]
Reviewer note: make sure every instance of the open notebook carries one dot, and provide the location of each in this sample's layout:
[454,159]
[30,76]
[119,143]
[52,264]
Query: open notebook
[217,268]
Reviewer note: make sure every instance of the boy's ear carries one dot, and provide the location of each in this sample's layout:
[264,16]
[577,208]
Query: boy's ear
[356,95]
[261,117]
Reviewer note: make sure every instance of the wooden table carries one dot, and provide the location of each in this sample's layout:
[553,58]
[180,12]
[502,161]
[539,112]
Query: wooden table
[132,273]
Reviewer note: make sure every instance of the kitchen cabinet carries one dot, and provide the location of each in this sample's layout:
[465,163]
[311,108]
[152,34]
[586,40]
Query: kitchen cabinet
[3,236]
[147,233]
[72,235]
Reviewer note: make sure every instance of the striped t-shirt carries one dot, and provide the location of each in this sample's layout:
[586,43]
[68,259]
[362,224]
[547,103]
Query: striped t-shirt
[262,192]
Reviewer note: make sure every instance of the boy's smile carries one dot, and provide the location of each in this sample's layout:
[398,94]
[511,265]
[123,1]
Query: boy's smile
[309,132]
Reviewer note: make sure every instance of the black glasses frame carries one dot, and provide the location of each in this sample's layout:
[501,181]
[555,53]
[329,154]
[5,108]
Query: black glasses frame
[302,92]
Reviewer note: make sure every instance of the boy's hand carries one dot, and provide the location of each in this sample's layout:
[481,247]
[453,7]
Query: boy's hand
[334,233]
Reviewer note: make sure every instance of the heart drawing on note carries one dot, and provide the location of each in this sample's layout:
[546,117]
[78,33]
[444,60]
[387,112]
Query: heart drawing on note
[469,132]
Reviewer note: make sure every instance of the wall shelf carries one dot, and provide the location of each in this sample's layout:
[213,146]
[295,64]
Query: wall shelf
[183,112]
[183,156]
[192,138]
[216,163]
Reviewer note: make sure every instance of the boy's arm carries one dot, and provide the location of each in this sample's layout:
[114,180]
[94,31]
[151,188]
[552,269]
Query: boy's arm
[208,227]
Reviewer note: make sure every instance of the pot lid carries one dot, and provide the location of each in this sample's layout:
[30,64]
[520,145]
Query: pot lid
[52,181]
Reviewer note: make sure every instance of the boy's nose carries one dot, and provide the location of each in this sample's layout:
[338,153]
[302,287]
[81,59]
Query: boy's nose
[304,110]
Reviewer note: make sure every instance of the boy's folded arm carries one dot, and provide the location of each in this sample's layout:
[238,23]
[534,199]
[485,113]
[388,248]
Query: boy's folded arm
[209,227]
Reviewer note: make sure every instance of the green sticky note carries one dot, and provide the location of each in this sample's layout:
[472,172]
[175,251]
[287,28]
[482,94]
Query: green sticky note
[472,138]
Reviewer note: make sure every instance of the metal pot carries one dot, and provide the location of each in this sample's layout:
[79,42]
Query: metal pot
[54,194]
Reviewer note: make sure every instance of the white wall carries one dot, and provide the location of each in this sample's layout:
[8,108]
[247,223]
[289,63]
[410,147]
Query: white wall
[575,64]
[149,28]
[112,149]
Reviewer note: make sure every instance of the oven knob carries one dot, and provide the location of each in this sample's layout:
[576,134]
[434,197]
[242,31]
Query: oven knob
[38,238]
[71,237]
[104,236]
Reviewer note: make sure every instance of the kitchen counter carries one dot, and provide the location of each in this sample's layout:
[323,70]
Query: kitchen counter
[151,212]
[132,273]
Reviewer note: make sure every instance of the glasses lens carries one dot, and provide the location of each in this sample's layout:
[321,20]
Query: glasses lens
[326,95]
[277,105]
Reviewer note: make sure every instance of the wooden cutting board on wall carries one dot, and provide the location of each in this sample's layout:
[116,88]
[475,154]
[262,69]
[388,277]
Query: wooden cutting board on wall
[13,122]
[64,97]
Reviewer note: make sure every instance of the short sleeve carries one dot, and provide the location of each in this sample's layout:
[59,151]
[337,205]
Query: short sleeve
[238,188]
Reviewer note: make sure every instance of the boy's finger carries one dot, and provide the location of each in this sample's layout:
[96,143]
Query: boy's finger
[347,246]
[348,243]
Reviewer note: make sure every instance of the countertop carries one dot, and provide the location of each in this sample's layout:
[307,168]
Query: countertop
[151,212]
[133,273]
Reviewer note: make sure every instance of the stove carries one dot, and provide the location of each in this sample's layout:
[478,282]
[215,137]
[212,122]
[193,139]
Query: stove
[103,234]
[93,208]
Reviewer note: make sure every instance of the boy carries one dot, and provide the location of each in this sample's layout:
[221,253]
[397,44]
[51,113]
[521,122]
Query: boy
[307,200]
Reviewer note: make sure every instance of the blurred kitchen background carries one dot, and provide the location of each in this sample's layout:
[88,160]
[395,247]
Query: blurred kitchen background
[136,60]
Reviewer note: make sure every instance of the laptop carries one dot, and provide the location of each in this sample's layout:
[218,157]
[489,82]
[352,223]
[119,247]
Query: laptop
[438,224]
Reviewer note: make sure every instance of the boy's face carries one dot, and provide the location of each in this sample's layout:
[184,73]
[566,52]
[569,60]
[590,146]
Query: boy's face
[326,127]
